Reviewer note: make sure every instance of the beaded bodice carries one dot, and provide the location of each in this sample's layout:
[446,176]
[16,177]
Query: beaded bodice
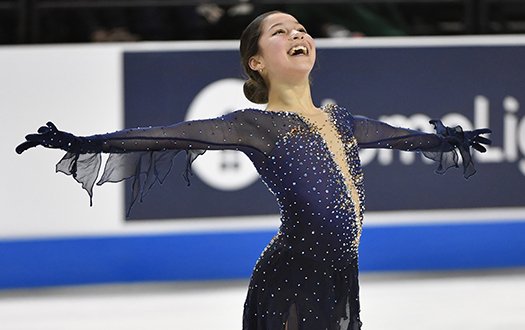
[315,174]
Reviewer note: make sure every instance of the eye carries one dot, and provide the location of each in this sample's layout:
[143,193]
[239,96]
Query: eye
[280,31]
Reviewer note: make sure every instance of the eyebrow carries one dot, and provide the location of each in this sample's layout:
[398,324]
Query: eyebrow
[277,24]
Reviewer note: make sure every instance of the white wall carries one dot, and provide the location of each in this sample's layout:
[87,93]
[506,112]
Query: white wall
[79,89]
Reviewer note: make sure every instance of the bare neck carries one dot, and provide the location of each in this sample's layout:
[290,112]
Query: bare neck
[294,98]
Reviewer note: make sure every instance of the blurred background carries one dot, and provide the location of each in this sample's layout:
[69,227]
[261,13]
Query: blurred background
[65,21]
[438,251]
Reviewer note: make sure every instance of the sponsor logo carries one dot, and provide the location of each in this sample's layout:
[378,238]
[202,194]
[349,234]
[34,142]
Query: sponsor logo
[226,169]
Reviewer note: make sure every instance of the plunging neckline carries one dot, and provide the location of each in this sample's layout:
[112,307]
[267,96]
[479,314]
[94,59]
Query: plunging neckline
[340,160]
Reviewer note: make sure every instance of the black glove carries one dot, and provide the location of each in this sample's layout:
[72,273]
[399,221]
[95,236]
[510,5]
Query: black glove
[457,137]
[50,137]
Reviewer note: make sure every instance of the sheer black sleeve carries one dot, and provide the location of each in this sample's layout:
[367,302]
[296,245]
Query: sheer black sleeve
[442,147]
[146,154]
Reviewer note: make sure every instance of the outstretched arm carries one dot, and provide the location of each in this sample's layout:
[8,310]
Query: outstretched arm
[440,146]
[226,132]
[146,154]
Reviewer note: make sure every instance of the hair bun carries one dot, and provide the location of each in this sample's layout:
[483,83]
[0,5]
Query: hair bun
[255,92]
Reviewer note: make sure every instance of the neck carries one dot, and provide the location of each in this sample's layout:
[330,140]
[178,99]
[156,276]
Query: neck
[288,97]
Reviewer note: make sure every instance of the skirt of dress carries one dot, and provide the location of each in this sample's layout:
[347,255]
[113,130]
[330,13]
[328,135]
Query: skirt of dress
[292,291]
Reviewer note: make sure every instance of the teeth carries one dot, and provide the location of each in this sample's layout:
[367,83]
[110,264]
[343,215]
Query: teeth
[298,50]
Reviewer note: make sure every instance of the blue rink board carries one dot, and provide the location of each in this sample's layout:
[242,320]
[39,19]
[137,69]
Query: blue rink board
[212,256]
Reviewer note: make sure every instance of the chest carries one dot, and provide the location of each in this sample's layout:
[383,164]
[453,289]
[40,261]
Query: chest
[315,151]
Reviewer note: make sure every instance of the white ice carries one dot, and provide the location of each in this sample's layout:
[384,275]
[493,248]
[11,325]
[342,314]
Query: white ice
[492,300]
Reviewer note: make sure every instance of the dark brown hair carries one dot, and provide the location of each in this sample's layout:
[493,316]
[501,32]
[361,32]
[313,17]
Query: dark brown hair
[255,88]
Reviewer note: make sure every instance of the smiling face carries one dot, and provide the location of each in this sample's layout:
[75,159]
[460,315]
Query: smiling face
[286,50]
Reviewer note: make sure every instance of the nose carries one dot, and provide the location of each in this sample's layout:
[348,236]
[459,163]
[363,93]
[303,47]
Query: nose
[296,35]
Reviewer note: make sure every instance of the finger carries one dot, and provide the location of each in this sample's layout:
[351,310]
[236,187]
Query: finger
[44,130]
[25,145]
[481,139]
[52,126]
[479,147]
[435,122]
[482,131]
[34,138]
[438,126]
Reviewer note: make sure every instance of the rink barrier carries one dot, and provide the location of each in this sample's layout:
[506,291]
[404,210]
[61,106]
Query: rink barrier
[219,256]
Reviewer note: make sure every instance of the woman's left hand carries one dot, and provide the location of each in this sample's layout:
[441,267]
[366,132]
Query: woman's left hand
[456,136]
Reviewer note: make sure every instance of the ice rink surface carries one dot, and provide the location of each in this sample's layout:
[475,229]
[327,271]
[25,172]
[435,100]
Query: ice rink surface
[491,300]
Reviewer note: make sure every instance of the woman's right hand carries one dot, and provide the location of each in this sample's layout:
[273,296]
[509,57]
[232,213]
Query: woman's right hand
[50,137]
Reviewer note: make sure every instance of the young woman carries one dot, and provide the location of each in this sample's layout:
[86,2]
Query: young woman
[307,277]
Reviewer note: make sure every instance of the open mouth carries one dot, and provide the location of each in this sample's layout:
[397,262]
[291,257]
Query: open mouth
[298,50]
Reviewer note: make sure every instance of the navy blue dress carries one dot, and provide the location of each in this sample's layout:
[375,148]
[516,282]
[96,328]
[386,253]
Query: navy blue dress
[307,276]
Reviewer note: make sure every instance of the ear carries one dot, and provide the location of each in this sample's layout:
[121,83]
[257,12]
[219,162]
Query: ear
[256,63]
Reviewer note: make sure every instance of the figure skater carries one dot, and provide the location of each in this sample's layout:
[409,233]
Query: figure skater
[307,276]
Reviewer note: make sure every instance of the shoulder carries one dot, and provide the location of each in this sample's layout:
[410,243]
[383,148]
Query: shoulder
[245,113]
[241,115]
[256,118]
[252,114]
[340,113]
